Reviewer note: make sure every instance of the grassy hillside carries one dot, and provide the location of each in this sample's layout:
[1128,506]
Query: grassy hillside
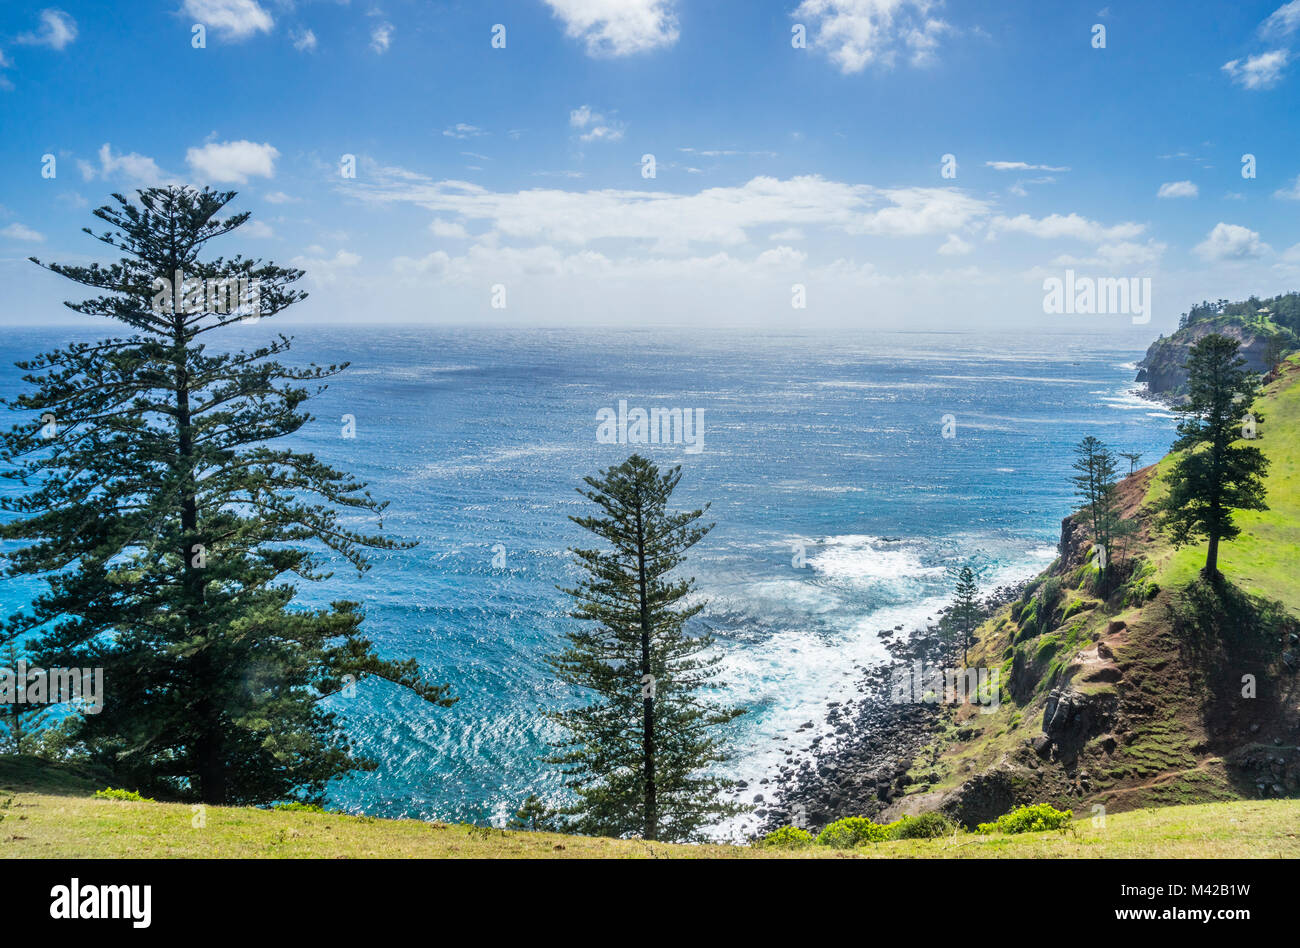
[1135,698]
[64,819]
[1265,559]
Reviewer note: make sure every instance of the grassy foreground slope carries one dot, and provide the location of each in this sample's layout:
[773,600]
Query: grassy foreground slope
[1139,697]
[47,811]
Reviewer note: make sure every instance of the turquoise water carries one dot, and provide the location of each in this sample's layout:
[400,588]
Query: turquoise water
[826,449]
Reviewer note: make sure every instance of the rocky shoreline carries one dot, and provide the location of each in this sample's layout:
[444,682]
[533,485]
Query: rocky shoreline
[860,762]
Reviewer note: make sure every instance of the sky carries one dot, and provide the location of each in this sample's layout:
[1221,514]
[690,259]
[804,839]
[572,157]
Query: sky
[776,164]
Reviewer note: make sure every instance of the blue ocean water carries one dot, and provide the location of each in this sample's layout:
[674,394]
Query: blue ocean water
[826,451]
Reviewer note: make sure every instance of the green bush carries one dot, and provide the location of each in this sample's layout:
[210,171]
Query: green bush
[925,826]
[848,832]
[1037,818]
[787,837]
[109,793]
[303,807]
[1048,599]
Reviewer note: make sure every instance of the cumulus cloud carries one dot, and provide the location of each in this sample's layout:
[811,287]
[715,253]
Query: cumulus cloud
[461,130]
[1231,242]
[594,127]
[859,33]
[135,168]
[617,27]
[1178,189]
[231,19]
[232,162]
[381,37]
[1258,72]
[19,232]
[723,215]
[57,31]
[955,246]
[304,41]
[1118,256]
[1070,226]
[1291,193]
[326,269]
[449,229]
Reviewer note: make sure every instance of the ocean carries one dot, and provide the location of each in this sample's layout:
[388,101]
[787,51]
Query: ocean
[845,473]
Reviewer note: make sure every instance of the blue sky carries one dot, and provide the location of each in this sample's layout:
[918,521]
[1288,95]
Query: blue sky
[523,167]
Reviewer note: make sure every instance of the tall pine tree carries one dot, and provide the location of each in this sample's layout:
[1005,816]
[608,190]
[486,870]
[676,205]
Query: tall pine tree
[1214,474]
[966,611]
[1094,484]
[171,531]
[638,753]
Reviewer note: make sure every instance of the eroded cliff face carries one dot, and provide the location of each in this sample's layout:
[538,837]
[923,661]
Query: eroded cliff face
[1162,367]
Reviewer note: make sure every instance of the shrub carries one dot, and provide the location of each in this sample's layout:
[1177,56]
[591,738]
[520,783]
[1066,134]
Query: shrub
[303,807]
[109,793]
[925,826]
[1048,599]
[787,837]
[1037,818]
[848,832]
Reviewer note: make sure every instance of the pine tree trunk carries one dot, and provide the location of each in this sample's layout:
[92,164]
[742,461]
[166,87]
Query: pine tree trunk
[208,748]
[648,702]
[1212,558]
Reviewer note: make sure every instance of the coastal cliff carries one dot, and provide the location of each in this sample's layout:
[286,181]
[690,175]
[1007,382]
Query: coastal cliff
[1161,691]
[1254,323]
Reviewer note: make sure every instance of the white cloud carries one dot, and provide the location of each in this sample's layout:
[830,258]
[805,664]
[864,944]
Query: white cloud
[1258,72]
[231,19]
[1118,256]
[1283,21]
[781,258]
[1070,226]
[279,197]
[232,162]
[859,33]
[1291,193]
[955,246]
[1020,166]
[1231,242]
[790,233]
[1178,189]
[326,269]
[381,37]
[57,31]
[461,130]
[595,127]
[259,229]
[138,169]
[304,41]
[451,229]
[671,222]
[617,27]
[19,232]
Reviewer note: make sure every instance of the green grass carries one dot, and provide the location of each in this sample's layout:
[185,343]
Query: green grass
[62,818]
[1262,561]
